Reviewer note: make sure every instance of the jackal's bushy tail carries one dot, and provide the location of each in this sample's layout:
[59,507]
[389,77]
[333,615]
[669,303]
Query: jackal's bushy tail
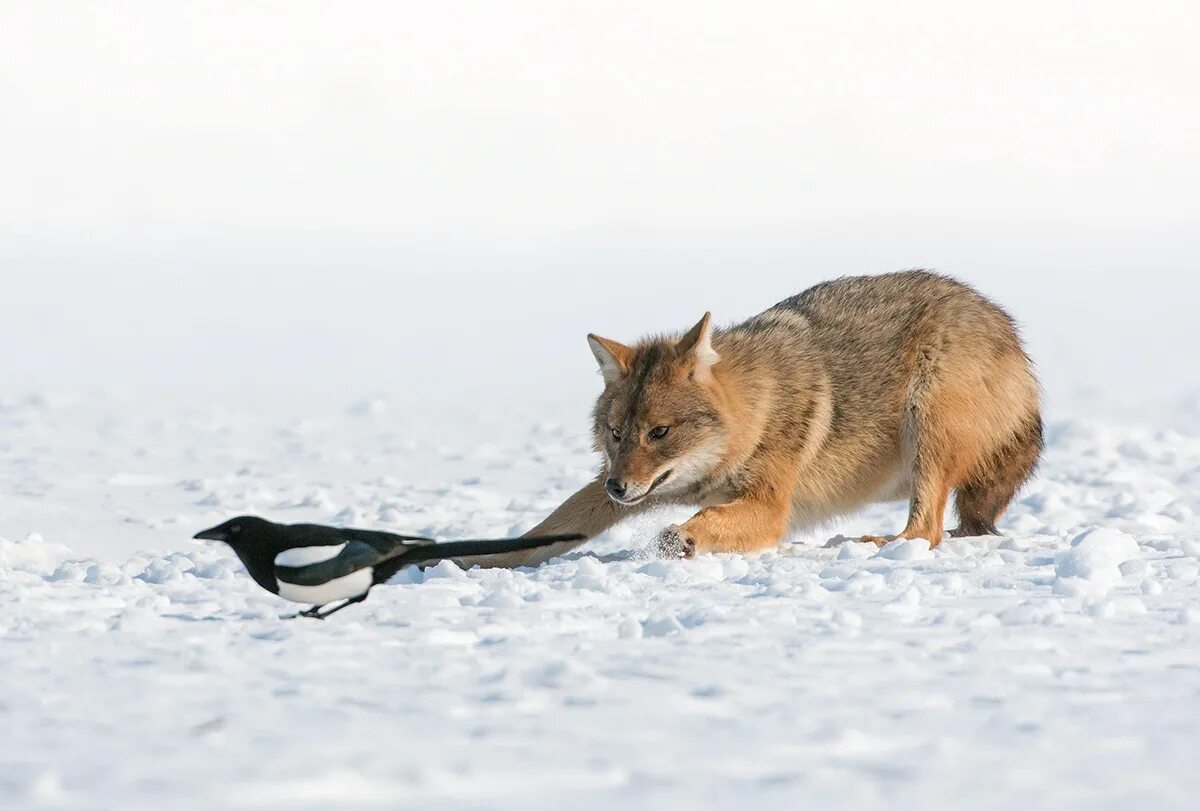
[981,499]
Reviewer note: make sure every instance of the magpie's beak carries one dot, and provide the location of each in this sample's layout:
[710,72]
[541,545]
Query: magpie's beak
[213,534]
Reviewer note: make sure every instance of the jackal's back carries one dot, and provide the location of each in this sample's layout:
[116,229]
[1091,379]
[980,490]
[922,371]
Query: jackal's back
[873,332]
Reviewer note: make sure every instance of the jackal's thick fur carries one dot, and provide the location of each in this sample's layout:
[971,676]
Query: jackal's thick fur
[901,386]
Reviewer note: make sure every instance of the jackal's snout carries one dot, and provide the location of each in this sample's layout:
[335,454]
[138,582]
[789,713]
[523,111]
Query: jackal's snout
[615,488]
[620,490]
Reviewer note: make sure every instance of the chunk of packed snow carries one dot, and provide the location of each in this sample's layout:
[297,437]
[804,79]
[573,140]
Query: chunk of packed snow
[33,554]
[906,549]
[1092,565]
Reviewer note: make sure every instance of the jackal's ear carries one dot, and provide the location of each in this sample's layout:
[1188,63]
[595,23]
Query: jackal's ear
[614,358]
[697,343]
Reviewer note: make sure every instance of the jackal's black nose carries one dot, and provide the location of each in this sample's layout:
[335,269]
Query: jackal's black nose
[615,488]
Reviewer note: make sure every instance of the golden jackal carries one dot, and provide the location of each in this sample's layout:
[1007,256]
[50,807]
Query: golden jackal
[901,386]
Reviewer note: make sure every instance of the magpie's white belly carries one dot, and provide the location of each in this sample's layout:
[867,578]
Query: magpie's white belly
[340,588]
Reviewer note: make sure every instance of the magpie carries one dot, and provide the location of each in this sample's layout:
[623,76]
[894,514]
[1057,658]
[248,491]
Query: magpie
[319,565]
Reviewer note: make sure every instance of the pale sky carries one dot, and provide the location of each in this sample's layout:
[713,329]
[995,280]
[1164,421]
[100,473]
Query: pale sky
[530,121]
[162,160]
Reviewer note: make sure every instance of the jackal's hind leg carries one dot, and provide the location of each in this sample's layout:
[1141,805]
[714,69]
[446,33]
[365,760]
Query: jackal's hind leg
[926,511]
[930,471]
[982,498]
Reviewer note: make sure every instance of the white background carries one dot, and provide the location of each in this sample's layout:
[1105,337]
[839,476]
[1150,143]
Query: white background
[442,198]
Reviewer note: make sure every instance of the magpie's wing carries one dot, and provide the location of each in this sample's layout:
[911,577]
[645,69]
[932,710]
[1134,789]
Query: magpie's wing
[384,542]
[375,536]
[354,556]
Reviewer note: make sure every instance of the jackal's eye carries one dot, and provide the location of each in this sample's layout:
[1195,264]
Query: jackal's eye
[659,431]
[616,432]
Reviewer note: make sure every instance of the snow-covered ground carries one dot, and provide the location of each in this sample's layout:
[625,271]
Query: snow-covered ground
[1056,667]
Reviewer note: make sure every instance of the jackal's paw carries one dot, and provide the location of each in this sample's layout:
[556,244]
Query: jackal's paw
[673,542]
[878,540]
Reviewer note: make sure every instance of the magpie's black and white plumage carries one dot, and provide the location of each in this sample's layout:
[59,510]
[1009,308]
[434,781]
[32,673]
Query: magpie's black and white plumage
[315,564]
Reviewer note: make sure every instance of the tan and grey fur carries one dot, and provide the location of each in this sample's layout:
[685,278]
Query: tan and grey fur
[901,386]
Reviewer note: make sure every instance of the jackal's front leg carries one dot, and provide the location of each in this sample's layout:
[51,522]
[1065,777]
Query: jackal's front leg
[588,512]
[746,525]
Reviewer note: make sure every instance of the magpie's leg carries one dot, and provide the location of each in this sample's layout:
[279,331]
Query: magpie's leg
[312,613]
[351,601]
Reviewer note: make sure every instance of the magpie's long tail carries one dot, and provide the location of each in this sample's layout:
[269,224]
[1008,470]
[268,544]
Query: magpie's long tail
[434,552]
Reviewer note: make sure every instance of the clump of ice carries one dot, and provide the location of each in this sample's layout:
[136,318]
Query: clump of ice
[630,628]
[33,554]
[1092,565]
[444,569]
[591,576]
[662,624]
[856,550]
[906,549]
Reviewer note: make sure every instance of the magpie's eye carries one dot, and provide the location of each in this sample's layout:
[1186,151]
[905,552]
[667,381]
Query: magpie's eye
[616,432]
[659,431]
[235,529]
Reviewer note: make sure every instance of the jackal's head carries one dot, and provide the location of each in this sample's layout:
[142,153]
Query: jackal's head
[659,422]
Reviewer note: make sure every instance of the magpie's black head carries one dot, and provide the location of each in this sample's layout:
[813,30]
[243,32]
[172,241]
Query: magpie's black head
[243,530]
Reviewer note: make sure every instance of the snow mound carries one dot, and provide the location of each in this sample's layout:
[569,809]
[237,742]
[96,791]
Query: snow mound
[1092,566]
[906,549]
[32,554]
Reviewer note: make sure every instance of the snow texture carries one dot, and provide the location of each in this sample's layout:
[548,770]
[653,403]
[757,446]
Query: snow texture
[1057,666]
